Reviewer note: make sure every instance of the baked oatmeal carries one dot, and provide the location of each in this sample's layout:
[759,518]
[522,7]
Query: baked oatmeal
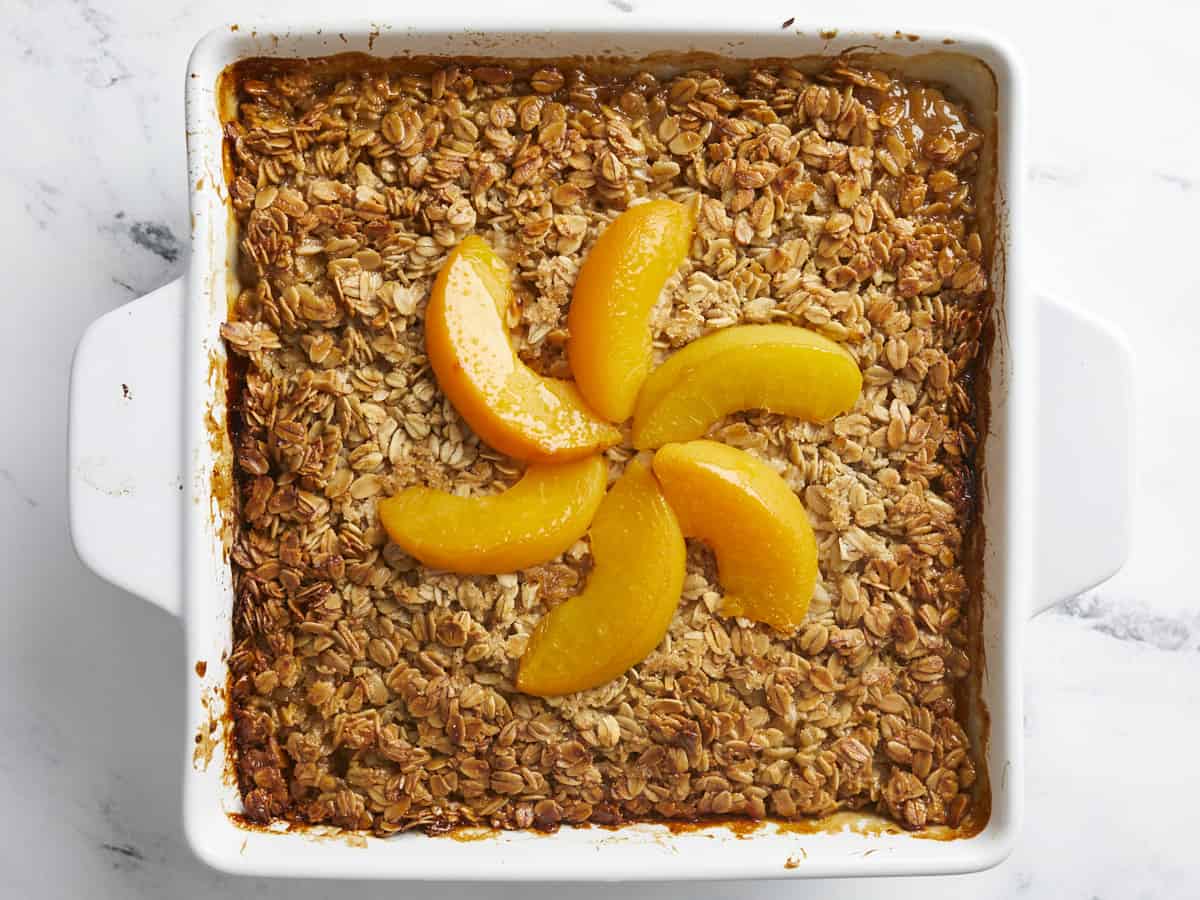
[372,693]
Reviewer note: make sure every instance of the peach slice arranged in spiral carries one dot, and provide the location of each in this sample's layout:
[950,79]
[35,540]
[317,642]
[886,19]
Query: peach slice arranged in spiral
[510,407]
[756,526]
[536,519]
[618,285]
[780,368]
[630,597]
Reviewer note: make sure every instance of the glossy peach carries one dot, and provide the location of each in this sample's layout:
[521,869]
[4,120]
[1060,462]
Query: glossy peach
[539,517]
[630,597]
[510,407]
[757,527]
[780,368]
[617,287]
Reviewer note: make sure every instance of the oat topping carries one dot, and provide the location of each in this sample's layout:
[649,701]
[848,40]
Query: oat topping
[372,693]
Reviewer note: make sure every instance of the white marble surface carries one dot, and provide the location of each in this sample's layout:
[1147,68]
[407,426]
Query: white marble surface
[91,686]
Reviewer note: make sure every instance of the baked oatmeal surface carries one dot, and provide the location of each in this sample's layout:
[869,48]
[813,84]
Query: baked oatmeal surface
[371,693]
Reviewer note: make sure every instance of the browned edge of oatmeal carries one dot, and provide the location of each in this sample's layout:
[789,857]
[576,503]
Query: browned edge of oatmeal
[968,690]
[225,374]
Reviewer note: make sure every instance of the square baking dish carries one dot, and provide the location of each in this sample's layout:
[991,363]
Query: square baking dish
[150,472]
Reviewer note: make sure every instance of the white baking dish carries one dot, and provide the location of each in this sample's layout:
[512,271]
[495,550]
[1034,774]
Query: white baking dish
[147,430]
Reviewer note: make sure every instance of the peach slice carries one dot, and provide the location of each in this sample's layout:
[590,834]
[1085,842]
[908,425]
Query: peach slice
[630,597]
[509,406]
[617,287]
[780,368]
[536,519]
[756,526]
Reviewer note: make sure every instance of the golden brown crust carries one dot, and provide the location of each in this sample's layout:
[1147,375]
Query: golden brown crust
[373,694]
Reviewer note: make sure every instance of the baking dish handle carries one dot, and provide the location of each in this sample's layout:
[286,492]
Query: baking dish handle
[1084,446]
[124,450]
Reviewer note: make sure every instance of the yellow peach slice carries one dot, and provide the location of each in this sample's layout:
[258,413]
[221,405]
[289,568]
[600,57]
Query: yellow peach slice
[780,368]
[629,601]
[536,519]
[757,527]
[617,287]
[509,406]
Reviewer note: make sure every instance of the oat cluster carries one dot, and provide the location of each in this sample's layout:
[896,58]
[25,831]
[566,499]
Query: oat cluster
[371,693]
